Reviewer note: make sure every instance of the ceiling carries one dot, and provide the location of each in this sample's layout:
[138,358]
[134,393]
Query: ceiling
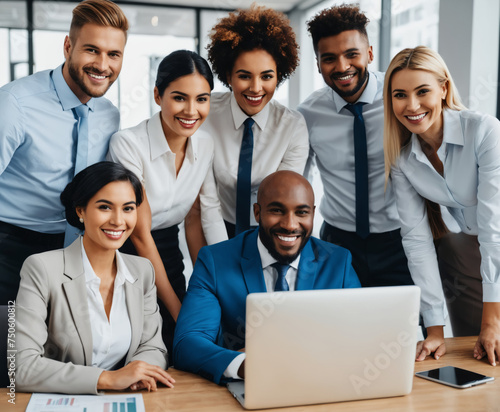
[282,5]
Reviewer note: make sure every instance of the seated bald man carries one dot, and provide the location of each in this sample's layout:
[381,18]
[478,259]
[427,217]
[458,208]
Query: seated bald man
[210,329]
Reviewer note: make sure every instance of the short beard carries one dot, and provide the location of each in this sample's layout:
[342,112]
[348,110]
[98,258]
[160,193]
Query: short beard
[359,85]
[268,243]
[75,75]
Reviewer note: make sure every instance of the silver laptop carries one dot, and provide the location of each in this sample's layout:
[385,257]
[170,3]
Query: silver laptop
[321,346]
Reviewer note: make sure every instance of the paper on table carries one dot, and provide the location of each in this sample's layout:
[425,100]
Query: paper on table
[56,402]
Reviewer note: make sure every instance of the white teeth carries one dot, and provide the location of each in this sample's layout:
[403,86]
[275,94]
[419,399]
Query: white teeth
[286,239]
[186,121]
[113,233]
[418,117]
[95,76]
[349,76]
[254,99]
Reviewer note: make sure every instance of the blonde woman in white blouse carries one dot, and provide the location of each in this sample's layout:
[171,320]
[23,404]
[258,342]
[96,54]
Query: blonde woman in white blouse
[86,316]
[439,153]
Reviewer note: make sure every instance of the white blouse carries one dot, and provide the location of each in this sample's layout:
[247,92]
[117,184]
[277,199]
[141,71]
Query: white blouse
[144,150]
[469,189]
[111,339]
[281,142]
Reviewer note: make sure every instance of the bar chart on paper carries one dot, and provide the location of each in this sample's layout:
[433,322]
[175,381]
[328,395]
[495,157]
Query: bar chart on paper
[85,403]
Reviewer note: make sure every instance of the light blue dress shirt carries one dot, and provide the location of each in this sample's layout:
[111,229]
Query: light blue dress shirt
[38,138]
[331,137]
[470,189]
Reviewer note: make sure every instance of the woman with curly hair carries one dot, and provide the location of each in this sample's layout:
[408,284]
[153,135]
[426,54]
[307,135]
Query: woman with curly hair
[252,52]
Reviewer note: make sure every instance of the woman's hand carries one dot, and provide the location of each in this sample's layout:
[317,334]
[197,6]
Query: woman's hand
[433,344]
[136,375]
[488,342]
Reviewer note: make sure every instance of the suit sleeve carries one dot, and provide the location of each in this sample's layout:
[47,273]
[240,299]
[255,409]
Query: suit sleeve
[34,371]
[297,153]
[198,328]
[151,349]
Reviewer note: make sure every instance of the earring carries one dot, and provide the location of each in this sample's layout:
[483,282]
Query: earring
[81,220]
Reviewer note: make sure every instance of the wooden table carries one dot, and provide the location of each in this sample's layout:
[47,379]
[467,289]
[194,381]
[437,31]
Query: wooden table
[192,393]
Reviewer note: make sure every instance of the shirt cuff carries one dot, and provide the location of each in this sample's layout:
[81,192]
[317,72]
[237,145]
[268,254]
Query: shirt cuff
[433,317]
[232,369]
[491,292]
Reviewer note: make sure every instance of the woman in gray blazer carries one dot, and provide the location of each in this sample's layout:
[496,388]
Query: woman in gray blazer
[86,316]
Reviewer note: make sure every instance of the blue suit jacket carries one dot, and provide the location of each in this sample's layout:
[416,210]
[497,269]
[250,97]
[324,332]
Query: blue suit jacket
[211,325]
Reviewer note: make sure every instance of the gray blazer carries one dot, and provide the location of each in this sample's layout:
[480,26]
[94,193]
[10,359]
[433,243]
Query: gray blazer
[53,333]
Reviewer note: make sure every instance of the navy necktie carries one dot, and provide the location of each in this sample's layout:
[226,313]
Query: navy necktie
[244,185]
[361,170]
[281,283]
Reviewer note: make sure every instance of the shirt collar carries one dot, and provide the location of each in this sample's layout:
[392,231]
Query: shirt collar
[268,260]
[122,272]
[368,95]
[66,96]
[452,128]
[158,144]
[239,116]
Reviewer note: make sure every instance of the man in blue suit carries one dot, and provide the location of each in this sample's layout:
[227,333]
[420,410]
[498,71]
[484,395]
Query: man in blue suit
[279,255]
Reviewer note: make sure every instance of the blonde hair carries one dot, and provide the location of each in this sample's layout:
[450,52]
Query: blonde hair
[396,135]
[100,12]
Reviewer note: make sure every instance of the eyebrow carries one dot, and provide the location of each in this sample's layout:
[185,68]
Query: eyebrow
[93,46]
[416,88]
[328,54]
[186,95]
[110,203]
[247,72]
[278,204]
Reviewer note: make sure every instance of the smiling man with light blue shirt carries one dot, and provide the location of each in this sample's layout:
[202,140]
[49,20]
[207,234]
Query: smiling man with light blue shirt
[42,120]
[359,213]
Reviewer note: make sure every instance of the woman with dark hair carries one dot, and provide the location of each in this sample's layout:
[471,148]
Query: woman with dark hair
[252,52]
[86,315]
[438,153]
[171,159]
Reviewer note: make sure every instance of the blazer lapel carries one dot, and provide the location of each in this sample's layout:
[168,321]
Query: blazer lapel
[308,267]
[77,301]
[251,265]
[134,298]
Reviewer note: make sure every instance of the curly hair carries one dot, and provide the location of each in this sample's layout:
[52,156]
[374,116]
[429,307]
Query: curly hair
[335,20]
[258,27]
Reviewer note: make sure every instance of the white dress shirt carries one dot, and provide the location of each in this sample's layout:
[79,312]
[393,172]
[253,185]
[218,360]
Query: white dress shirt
[111,338]
[144,150]
[270,277]
[280,143]
[331,136]
[470,189]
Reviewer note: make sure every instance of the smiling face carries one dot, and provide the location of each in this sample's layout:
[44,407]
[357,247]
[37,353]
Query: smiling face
[285,212]
[93,60]
[253,80]
[417,102]
[109,217]
[185,105]
[343,62]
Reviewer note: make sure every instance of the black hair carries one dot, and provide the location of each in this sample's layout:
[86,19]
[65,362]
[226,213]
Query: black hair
[89,181]
[182,63]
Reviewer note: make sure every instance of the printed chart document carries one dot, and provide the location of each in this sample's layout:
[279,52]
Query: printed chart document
[56,402]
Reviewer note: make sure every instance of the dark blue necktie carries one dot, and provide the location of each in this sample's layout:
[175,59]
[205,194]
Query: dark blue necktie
[361,170]
[244,185]
[281,283]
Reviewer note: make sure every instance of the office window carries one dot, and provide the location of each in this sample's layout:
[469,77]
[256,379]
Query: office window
[414,23]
